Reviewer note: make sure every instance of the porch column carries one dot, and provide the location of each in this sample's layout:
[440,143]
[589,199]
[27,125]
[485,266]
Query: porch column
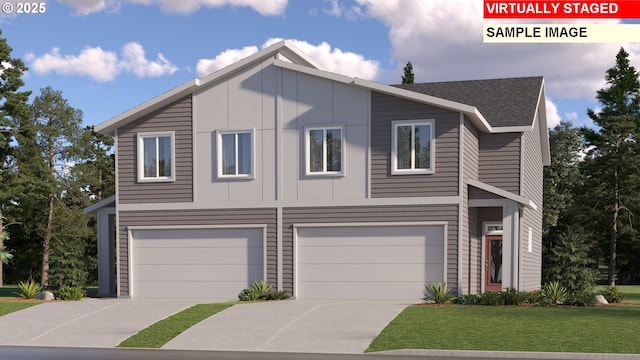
[510,245]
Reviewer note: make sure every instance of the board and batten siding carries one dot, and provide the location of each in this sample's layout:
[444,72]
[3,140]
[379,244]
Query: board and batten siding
[444,182]
[532,178]
[175,117]
[469,216]
[373,214]
[499,160]
[168,218]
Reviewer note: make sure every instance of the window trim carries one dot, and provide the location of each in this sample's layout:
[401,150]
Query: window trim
[307,151]
[252,151]
[394,146]
[140,156]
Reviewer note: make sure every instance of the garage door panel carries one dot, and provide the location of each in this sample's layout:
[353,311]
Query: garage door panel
[210,273]
[371,254]
[376,262]
[199,255]
[364,272]
[188,289]
[359,290]
[198,263]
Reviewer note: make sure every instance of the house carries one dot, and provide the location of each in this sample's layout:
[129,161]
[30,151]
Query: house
[326,186]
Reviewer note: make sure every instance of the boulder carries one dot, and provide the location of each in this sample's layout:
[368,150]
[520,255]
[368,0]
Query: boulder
[46,295]
[600,300]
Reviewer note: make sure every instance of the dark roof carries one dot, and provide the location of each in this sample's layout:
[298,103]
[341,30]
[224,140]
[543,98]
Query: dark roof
[502,102]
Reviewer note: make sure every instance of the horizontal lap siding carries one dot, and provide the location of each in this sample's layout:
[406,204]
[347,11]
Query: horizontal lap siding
[499,160]
[175,117]
[384,110]
[196,217]
[532,188]
[470,246]
[374,214]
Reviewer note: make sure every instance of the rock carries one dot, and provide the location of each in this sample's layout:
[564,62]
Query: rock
[600,300]
[46,295]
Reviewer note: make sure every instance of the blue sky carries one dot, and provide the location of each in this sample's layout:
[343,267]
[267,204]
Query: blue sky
[107,56]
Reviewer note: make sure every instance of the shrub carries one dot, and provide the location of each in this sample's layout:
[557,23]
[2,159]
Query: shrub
[438,292]
[468,299]
[612,294]
[534,297]
[511,296]
[581,298]
[29,289]
[569,262]
[69,293]
[262,291]
[554,294]
[491,298]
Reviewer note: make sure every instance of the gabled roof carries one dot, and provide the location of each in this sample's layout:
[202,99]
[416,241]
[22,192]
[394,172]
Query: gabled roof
[283,50]
[105,203]
[504,102]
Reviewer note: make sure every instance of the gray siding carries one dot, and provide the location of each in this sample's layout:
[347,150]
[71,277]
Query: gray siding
[469,236]
[532,177]
[175,117]
[444,182]
[195,217]
[499,160]
[448,213]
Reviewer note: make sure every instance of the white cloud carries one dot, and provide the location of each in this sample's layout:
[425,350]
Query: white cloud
[443,40]
[571,116]
[553,117]
[225,58]
[334,60]
[263,7]
[101,65]
[133,60]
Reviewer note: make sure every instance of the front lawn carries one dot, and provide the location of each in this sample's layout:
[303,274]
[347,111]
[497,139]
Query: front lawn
[608,329]
[160,333]
[7,307]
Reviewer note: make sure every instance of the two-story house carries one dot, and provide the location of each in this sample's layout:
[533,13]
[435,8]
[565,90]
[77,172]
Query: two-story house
[326,186]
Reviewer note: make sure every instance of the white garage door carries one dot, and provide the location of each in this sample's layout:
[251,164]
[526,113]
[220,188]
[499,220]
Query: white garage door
[203,263]
[368,262]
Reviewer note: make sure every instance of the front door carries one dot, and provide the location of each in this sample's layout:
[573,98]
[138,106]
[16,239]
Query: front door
[493,263]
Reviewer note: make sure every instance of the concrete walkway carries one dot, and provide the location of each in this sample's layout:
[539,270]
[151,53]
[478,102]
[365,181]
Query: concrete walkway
[86,323]
[310,326]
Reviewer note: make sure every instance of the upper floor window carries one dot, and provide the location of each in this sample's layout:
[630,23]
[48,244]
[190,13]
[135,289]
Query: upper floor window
[324,150]
[412,148]
[235,154]
[155,156]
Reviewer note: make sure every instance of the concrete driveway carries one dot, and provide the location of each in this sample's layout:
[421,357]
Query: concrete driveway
[86,323]
[309,326]
[282,326]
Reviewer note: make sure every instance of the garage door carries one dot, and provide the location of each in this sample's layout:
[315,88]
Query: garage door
[368,262]
[203,263]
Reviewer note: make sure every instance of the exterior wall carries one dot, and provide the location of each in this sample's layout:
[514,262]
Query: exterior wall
[475,254]
[499,160]
[278,104]
[531,261]
[448,213]
[175,117]
[384,110]
[194,217]
[469,243]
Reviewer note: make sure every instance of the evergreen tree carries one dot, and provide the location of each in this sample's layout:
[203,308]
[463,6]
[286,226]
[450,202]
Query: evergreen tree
[13,105]
[613,163]
[408,76]
[569,262]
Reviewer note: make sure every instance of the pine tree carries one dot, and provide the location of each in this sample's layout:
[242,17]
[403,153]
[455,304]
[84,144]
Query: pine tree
[13,105]
[613,164]
[408,76]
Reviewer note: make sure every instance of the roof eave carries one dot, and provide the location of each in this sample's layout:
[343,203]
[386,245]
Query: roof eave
[523,201]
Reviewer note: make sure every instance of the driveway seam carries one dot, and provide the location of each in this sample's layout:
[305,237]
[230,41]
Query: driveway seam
[68,322]
[288,324]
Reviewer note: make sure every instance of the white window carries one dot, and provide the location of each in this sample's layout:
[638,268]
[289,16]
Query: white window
[324,148]
[412,147]
[155,157]
[235,154]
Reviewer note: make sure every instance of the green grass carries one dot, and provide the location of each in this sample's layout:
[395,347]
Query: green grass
[7,307]
[611,329]
[160,333]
